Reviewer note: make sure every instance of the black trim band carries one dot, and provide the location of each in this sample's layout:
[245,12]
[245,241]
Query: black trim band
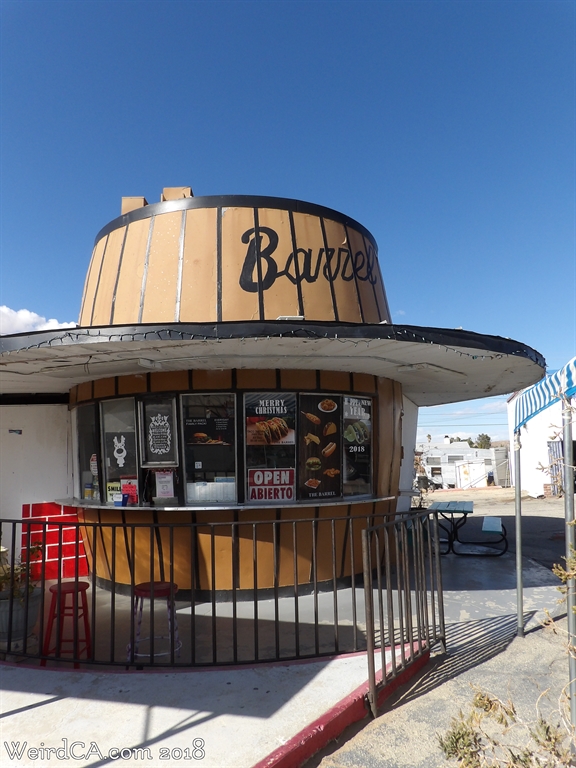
[233,201]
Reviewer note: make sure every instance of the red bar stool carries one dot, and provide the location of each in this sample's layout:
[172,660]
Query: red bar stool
[59,609]
[153,590]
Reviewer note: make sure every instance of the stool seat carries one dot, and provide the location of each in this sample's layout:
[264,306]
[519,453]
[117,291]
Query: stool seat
[155,589]
[69,587]
[61,609]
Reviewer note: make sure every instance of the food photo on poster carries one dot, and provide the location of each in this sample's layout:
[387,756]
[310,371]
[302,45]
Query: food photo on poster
[319,447]
[357,433]
[270,446]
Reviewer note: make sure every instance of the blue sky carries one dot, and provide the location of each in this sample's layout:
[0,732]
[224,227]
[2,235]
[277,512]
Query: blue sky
[446,127]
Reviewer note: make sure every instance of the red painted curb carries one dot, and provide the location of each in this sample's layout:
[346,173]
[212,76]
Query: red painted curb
[331,724]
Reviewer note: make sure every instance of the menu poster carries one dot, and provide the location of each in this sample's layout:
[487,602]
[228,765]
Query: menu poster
[270,418]
[210,429]
[357,433]
[320,446]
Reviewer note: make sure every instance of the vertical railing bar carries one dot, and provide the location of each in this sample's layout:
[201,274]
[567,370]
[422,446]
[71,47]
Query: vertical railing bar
[418,584]
[26,583]
[428,538]
[439,586]
[235,577]
[389,606]
[113,599]
[407,590]
[133,599]
[12,585]
[400,591]
[42,587]
[213,593]
[296,600]
[335,587]
[255,582]
[315,584]
[353,585]
[367,571]
[172,608]
[60,622]
[380,530]
[193,552]
[423,580]
[91,528]
[75,636]
[275,524]
[152,595]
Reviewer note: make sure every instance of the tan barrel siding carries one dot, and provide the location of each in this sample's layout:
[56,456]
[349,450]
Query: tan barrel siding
[342,270]
[236,303]
[282,298]
[199,295]
[161,282]
[316,295]
[213,263]
[363,279]
[91,284]
[128,289]
[107,281]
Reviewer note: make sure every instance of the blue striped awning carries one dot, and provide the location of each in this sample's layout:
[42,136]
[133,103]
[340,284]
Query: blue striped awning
[540,396]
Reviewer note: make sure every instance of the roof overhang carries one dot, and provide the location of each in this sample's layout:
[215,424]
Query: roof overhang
[434,365]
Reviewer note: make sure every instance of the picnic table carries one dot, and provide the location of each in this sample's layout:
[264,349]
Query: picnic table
[455,514]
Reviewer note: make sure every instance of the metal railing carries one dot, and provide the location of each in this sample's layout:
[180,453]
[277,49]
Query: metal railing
[234,592]
[403,596]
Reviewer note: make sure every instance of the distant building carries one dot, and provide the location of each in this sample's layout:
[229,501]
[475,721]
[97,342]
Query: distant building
[457,465]
[538,412]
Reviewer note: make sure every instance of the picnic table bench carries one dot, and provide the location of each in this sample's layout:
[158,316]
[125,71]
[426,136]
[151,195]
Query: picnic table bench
[455,514]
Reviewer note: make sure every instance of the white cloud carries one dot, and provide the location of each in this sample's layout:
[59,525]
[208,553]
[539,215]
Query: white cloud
[22,320]
[399,312]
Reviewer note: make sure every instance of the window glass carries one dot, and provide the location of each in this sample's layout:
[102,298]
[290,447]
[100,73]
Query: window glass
[119,448]
[270,441]
[320,447]
[209,438]
[159,444]
[88,452]
[357,434]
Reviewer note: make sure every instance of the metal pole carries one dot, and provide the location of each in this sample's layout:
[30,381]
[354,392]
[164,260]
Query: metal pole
[518,507]
[570,549]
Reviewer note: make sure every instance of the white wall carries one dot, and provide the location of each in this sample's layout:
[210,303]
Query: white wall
[409,426]
[534,437]
[35,465]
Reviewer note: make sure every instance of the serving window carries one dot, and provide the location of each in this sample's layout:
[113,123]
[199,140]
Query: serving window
[118,420]
[209,438]
[203,449]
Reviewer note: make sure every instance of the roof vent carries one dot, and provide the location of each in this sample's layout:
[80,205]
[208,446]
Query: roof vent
[131,203]
[175,193]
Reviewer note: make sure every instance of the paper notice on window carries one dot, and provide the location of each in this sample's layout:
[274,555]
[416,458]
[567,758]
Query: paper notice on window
[165,485]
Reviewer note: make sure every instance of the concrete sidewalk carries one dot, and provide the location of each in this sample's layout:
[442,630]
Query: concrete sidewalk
[483,649]
[245,717]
